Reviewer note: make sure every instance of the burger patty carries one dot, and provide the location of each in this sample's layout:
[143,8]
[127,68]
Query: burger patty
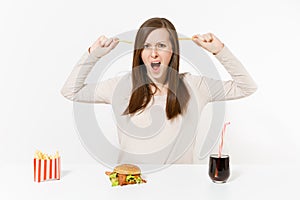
[122,179]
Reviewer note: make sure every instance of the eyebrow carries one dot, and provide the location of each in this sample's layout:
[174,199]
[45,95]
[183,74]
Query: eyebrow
[157,42]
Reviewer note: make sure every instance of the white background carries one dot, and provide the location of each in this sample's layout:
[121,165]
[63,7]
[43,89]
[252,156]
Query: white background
[42,40]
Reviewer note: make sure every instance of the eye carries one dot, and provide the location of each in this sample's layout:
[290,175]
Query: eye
[161,45]
[146,46]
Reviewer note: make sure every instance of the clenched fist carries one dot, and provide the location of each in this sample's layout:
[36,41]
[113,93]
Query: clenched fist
[103,46]
[209,42]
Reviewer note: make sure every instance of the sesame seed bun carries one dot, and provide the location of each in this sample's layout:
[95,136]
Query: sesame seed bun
[127,169]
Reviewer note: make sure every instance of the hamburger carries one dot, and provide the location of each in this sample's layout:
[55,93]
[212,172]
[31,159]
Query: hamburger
[125,174]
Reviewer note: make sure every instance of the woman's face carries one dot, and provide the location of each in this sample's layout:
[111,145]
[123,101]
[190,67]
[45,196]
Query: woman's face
[157,54]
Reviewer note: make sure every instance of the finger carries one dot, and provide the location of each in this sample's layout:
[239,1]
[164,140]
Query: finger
[101,37]
[198,39]
[108,42]
[204,36]
[207,37]
[114,43]
[211,36]
[103,41]
[115,39]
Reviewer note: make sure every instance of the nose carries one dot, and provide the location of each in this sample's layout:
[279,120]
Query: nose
[154,53]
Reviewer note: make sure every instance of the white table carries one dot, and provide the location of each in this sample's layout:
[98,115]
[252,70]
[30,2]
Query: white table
[177,181]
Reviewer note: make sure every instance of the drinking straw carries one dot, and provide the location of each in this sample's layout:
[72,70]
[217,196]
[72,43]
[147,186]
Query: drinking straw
[129,42]
[222,139]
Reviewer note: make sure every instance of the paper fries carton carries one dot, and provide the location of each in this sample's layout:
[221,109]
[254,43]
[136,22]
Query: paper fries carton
[46,167]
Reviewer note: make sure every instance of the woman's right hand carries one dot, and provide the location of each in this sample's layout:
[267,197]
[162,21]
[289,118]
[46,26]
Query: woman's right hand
[103,46]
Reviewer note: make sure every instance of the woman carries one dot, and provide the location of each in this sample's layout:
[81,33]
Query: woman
[156,81]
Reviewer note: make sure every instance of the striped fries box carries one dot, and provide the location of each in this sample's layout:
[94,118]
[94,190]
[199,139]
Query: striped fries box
[46,169]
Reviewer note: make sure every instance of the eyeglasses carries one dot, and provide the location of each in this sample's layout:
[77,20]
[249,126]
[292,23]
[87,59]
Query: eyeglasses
[158,46]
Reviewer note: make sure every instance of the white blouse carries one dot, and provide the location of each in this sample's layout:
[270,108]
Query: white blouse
[172,141]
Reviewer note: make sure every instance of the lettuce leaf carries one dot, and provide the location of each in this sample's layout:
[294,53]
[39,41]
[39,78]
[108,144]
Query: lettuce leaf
[114,179]
[131,178]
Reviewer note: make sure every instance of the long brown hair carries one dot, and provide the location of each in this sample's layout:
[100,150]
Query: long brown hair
[178,95]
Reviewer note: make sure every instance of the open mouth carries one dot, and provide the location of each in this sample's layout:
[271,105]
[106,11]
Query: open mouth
[155,66]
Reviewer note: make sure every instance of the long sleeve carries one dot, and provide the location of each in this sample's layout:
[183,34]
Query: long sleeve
[240,86]
[75,88]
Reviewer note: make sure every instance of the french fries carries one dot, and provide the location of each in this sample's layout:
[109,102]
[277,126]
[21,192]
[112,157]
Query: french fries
[43,156]
[46,167]
[130,42]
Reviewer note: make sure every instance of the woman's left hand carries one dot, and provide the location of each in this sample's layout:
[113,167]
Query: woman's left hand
[209,42]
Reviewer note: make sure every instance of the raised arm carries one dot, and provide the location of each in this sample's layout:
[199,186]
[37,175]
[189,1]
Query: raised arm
[75,88]
[240,86]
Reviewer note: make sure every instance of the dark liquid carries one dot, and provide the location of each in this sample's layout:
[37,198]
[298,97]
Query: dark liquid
[219,168]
